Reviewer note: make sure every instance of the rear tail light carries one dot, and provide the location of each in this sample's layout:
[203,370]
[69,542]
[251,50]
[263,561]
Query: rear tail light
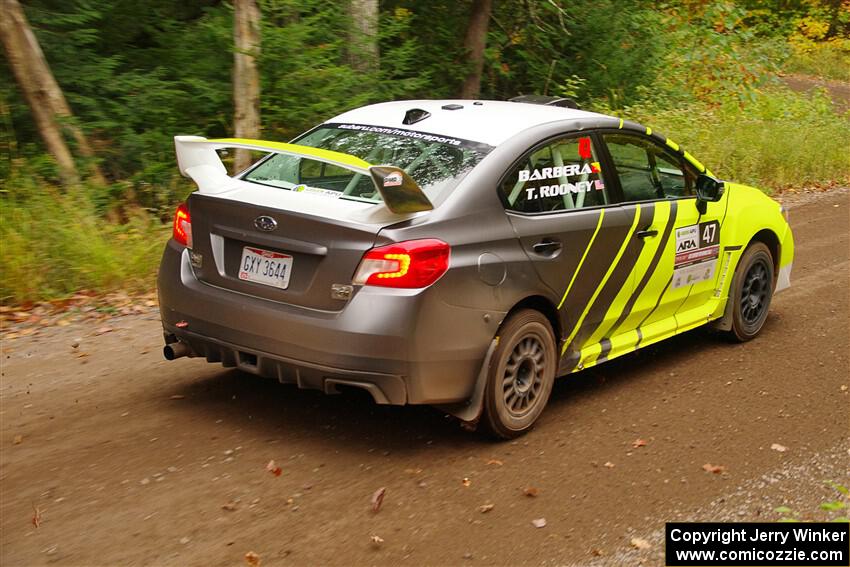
[409,264]
[182,232]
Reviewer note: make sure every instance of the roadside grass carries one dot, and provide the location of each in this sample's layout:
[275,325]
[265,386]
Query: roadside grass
[55,244]
[827,59]
[778,140]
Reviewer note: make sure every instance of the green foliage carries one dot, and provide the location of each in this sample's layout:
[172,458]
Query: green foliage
[54,244]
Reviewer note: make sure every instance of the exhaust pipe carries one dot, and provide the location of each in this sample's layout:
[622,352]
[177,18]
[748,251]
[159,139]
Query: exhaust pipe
[177,350]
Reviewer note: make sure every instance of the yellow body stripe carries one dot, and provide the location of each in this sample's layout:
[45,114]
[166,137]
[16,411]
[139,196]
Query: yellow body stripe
[583,256]
[621,124]
[294,149]
[661,213]
[695,162]
[648,131]
[673,145]
[603,282]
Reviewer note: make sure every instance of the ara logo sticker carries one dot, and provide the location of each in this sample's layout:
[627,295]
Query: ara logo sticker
[687,238]
[560,171]
[393,179]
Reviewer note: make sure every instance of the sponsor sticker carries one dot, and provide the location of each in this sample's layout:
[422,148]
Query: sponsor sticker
[317,191]
[697,251]
[393,179]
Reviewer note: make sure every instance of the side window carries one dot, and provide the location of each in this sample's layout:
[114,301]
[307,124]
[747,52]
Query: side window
[564,174]
[646,170]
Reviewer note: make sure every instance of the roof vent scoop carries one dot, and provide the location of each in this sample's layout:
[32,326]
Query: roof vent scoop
[415,115]
[546,100]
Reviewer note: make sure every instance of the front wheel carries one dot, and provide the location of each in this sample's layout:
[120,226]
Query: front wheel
[521,374]
[752,290]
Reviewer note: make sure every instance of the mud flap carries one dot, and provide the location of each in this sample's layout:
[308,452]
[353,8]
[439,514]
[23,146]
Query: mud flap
[470,412]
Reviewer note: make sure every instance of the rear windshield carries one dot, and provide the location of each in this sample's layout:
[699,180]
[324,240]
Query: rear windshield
[436,163]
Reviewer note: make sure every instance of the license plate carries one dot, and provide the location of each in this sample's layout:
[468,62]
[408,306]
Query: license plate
[265,267]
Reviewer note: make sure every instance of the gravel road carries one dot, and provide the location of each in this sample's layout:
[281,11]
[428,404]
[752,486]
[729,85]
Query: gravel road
[122,458]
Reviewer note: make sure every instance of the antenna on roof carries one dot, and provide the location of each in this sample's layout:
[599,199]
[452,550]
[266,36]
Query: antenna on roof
[546,100]
[415,115]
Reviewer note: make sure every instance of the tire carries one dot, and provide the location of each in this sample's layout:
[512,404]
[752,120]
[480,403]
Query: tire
[752,291]
[521,375]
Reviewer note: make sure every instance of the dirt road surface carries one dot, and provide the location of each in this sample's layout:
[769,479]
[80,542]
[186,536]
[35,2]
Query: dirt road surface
[131,460]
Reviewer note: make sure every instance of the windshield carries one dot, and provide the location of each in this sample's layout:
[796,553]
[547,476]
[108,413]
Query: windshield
[436,163]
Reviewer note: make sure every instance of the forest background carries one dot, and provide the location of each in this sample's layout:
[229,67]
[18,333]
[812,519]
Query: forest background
[93,91]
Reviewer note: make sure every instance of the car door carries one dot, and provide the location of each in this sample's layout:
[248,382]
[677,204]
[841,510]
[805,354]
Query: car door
[677,248]
[558,201]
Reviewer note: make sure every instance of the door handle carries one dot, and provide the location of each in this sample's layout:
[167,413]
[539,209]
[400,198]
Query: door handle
[547,247]
[646,233]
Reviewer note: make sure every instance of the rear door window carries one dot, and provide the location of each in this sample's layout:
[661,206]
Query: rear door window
[561,175]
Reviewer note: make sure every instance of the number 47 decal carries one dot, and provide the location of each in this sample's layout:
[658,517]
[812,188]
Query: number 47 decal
[709,233]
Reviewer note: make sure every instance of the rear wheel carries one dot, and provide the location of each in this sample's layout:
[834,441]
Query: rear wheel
[521,374]
[751,293]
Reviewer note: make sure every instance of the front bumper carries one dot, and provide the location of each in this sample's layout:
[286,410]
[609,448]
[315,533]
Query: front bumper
[403,346]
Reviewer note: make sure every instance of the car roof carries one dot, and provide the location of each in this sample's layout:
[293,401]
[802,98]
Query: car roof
[486,121]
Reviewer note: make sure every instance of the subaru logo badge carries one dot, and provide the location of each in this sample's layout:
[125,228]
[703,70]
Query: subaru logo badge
[265,223]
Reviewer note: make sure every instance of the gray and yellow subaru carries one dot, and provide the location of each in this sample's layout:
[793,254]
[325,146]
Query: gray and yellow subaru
[461,253]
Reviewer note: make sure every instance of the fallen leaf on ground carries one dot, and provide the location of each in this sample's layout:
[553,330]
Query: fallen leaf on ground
[17,440]
[177,397]
[539,522]
[376,540]
[252,559]
[104,330]
[596,552]
[412,471]
[36,516]
[716,469]
[530,491]
[484,508]
[378,499]
[639,543]
[273,468]
[466,482]
[495,462]
[609,464]
[638,443]
[778,447]
[230,506]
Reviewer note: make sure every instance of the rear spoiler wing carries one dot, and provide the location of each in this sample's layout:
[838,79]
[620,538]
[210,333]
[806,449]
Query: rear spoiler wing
[198,160]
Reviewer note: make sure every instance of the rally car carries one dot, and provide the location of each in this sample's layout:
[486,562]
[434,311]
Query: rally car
[461,253]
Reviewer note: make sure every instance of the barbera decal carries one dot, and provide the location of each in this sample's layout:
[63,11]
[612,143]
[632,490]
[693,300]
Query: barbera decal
[697,250]
[560,171]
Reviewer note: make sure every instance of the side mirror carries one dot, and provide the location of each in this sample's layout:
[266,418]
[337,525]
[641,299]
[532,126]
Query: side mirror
[708,188]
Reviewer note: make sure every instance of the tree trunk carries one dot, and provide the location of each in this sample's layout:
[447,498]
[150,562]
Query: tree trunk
[246,78]
[49,108]
[474,43]
[363,36]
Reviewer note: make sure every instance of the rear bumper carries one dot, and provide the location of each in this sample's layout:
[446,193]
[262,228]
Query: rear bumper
[403,346]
